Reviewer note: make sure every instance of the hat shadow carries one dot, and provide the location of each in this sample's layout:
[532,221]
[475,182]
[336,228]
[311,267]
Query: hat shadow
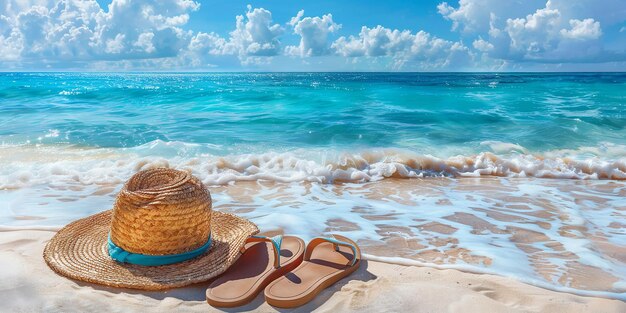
[192,292]
[197,292]
[187,293]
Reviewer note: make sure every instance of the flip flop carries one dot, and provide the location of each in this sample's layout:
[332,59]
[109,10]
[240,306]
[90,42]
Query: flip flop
[263,259]
[326,261]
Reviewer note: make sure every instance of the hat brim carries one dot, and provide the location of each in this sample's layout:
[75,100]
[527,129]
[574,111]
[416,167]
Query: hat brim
[79,251]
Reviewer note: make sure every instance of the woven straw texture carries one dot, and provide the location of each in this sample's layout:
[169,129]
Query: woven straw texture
[165,212]
[161,211]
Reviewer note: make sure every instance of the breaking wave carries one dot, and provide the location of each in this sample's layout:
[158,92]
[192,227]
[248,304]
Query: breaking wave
[27,165]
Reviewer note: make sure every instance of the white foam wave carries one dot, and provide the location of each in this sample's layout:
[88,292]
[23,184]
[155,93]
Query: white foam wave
[27,165]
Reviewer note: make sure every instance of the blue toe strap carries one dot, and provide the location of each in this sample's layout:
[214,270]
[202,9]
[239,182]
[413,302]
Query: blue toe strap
[276,241]
[336,243]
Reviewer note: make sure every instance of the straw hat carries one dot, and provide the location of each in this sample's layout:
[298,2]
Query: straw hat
[158,212]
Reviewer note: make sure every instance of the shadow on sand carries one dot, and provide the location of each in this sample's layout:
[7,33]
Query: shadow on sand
[197,293]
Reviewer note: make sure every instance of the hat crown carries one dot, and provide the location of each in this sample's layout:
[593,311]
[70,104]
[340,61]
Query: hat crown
[160,212]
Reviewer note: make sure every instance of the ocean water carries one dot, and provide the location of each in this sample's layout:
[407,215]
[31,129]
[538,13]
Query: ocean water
[521,175]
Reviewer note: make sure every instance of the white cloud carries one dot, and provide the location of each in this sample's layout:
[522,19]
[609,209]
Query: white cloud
[607,12]
[132,19]
[144,33]
[547,36]
[144,41]
[32,27]
[482,45]
[115,45]
[207,43]
[552,31]
[255,37]
[254,40]
[536,33]
[583,30]
[419,50]
[475,15]
[80,30]
[373,42]
[11,43]
[313,33]
[377,41]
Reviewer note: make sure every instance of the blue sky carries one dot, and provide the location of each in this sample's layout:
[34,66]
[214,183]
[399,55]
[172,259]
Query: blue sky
[187,35]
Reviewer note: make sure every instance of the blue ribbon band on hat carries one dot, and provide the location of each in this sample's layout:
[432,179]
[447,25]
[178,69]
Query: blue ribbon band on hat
[124,256]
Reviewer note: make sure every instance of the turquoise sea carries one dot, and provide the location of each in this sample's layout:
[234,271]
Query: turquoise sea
[438,114]
[517,174]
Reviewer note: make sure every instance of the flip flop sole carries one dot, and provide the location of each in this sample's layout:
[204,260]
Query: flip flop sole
[253,271]
[304,283]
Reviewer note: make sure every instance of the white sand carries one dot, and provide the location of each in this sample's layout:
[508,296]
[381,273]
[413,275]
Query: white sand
[28,285]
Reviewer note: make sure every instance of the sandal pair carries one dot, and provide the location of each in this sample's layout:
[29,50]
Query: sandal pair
[290,274]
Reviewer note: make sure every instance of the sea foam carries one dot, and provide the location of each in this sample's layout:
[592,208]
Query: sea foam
[27,165]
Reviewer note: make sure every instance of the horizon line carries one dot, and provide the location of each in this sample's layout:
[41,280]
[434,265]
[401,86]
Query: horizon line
[333,72]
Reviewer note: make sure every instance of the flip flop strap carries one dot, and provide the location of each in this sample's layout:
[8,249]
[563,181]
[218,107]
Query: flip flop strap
[336,243]
[276,242]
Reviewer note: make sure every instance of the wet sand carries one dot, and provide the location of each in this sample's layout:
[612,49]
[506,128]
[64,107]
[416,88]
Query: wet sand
[567,235]
[564,233]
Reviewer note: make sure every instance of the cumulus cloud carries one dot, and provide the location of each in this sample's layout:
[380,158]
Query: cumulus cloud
[152,33]
[145,42]
[547,36]
[254,40]
[377,41]
[583,30]
[10,40]
[405,48]
[476,15]
[207,43]
[535,34]
[144,29]
[482,45]
[313,33]
[554,31]
[255,35]
[80,30]
[607,12]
